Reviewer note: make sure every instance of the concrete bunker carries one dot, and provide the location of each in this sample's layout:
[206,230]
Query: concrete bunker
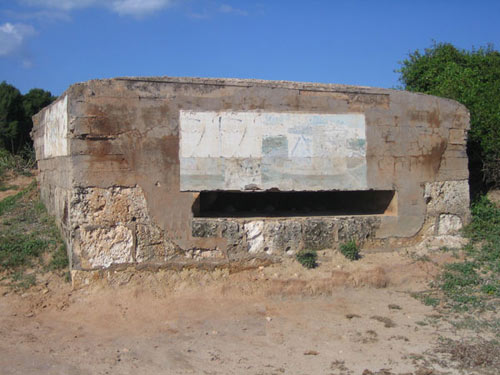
[165,171]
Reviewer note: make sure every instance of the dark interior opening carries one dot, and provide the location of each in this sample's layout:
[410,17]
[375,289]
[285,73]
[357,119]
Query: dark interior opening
[303,203]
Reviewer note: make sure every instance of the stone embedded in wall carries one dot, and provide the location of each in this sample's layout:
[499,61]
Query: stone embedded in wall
[283,236]
[286,236]
[358,229]
[98,206]
[447,212]
[255,236]
[449,224]
[263,150]
[447,197]
[102,247]
[232,233]
[204,229]
[199,254]
[434,243]
[152,246]
[318,234]
[118,219]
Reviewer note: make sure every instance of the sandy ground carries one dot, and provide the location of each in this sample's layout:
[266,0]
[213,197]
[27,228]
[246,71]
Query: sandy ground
[16,184]
[341,318]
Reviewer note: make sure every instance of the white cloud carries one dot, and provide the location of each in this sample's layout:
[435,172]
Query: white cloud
[225,8]
[13,37]
[136,8]
[199,15]
[39,15]
[27,63]
[61,4]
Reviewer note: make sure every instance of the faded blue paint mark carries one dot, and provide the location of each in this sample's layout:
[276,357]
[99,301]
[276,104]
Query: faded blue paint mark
[276,146]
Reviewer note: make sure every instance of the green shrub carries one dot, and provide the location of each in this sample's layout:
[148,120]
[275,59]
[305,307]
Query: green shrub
[485,223]
[20,163]
[350,250]
[307,258]
[473,79]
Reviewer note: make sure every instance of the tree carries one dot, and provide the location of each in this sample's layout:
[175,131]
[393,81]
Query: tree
[16,111]
[33,102]
[473,79]
[12,117]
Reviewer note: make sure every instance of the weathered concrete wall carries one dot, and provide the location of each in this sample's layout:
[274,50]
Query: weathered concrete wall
[122,162]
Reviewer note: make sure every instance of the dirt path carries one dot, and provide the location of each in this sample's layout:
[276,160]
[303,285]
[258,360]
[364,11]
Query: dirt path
[342,318]
[15,185]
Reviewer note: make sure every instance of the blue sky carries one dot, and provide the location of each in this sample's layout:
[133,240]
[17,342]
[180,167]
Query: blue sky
[53,43]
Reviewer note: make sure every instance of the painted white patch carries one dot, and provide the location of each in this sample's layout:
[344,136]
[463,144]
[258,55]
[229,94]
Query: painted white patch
[55,141]
[240,134]
[288,151]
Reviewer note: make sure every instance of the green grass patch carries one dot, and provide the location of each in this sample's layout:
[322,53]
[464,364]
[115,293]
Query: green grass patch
[9,202]
[430,301]
[467,293]
[21,280]
[18,249]
[474,283]
[350,250]
[428,298]
[8,187]
[29,239]
[59,259]
[485,223]
[479,324]
[308,258]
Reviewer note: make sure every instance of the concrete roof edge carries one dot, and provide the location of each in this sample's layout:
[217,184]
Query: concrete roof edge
[247,82]
[293,85]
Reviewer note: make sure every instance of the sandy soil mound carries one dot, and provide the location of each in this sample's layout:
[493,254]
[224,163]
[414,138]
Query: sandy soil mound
[341,318]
